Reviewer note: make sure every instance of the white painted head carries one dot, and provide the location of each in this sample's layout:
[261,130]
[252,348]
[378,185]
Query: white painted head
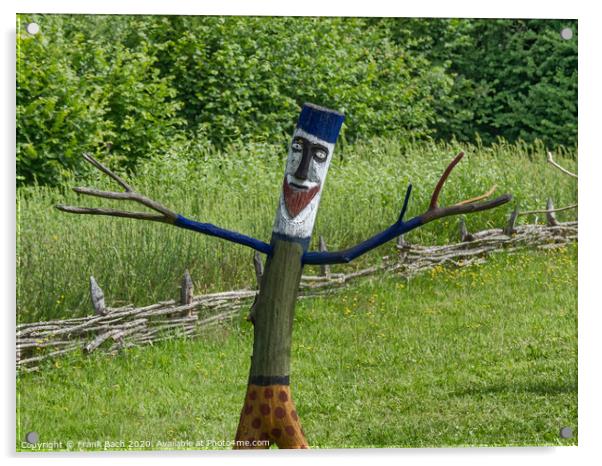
[309,157]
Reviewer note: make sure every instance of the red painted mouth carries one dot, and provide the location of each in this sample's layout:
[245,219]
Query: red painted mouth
[296,199]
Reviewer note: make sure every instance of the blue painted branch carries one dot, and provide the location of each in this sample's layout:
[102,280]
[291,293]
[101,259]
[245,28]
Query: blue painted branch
[212,230]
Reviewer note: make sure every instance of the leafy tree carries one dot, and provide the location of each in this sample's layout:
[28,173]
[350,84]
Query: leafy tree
[515,79]
[240,77]
[80,88]
[126,87]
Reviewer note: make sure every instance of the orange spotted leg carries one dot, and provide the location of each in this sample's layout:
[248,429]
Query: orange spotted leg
[269,416]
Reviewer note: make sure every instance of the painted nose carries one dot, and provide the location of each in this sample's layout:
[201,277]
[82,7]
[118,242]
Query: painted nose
[303,168]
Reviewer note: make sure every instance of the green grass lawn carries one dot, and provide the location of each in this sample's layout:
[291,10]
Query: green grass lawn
[485,355]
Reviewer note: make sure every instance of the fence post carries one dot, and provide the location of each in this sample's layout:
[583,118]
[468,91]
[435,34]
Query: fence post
[510,229]
[324,269]
[186,290]
[464,235]
[551,216]
[98,298]
[258,265]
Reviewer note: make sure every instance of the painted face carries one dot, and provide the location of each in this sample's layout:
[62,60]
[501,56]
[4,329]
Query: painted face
[306,168]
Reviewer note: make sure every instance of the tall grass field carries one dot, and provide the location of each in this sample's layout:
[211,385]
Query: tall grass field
[142,262]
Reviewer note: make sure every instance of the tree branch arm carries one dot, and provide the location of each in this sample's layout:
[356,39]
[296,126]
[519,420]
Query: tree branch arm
[229,235]
[433,212]
[347,255]
[163,214]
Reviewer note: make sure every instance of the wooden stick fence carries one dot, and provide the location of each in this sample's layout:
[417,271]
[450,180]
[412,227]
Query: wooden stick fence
[113,329]
[415,259]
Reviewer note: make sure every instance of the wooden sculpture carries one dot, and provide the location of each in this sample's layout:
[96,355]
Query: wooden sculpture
[268,413]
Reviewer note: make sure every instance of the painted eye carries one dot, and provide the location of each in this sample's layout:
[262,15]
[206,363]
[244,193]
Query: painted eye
[321,155]
[297,146]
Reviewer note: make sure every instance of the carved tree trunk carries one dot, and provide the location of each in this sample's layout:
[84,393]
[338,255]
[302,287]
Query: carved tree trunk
[269,414]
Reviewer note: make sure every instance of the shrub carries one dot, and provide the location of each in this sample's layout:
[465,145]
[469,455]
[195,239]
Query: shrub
[80,88]
[515,79]
[246,77]
[123,86]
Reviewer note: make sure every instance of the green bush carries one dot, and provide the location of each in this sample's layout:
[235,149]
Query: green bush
[515,79]
[246,77]
[122,87]
[81,88]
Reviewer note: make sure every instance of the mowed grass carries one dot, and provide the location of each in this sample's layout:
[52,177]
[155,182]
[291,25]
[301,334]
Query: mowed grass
[485,355]
[141,262]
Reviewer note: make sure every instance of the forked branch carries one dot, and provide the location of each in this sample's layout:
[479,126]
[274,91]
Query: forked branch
[401,226]
[550,211]
[562,169]
[478,198]
[164,215]
[467,206]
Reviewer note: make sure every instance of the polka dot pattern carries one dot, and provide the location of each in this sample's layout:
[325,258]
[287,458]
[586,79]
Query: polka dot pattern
[264,409]
[269,415]
[279,412]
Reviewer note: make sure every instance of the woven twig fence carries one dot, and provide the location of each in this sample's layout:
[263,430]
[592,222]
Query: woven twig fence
[113,329]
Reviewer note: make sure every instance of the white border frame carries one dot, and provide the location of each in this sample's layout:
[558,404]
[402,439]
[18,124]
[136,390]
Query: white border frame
[590,415]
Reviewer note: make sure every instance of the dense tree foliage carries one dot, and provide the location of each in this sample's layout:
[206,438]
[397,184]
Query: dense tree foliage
[124,87]
[82,87]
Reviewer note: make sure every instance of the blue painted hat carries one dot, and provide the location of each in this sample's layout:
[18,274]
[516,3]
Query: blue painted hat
[320,122]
